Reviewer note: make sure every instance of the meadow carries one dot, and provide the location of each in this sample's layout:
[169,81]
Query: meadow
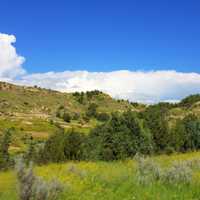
[57,130]
[109,181]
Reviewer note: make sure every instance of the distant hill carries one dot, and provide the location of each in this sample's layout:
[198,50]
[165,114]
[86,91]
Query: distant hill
[37,112]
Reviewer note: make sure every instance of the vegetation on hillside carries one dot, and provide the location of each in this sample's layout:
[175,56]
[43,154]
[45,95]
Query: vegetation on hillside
[116,129]
[44,126]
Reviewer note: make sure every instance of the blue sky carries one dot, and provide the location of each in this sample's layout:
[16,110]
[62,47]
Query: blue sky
[141,50]
[104,35]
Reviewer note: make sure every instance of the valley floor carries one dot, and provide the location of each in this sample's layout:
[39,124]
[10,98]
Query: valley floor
[108,181]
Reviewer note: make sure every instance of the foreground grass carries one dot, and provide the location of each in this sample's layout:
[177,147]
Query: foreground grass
[107,181]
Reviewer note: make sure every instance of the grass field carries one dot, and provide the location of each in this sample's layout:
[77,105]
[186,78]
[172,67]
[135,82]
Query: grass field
[108,181]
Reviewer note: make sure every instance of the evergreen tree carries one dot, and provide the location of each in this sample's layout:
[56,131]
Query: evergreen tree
[156,120]
[53,150]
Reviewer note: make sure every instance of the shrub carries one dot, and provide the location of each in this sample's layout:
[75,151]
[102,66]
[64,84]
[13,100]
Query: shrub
[76,116]
[194,164]
[66,117]
[46,190]
[32,187]
[147,170]
[179,172]
[92,110]
[103,117]
[26,180]
[86,118]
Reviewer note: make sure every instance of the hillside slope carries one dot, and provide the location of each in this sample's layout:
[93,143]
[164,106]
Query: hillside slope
[33,111]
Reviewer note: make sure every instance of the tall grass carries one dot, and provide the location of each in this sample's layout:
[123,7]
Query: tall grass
[112,180]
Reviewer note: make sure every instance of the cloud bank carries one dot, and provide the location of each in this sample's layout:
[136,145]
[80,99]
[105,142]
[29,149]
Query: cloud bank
[147,87]
[139,86]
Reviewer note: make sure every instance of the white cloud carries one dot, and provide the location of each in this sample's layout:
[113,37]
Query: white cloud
[10,62]
[149,87]
[152,86]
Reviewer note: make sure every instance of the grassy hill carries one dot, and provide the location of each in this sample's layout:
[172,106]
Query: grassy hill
[36,112]
[32,111]
[16,100]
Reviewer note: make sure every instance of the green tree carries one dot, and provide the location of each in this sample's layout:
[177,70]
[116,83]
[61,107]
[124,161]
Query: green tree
[92,110]
[53,150]
[73,145]
[4,147]
[66,117]
[178,138]
[103,117]
[191,124]
[190,100]
[121,137]
[31,154]
[157,121]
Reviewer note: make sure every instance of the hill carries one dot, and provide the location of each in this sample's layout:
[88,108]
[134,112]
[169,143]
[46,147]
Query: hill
[37,113]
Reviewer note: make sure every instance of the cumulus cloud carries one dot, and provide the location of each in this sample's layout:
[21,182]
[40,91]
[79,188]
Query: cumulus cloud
[147,87]
[10,61]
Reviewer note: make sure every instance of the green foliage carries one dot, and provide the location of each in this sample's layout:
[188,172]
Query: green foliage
[91,94]
[121,137]
[80,97]
[73,145]
[191,132]
[62,146]
[76,116]
[160,128]
[156,119]
[5,141]
[92,110]
[66,117]
[31,154]
[103,117]
[190,100]
[53,150]
[186,134]
[86,118]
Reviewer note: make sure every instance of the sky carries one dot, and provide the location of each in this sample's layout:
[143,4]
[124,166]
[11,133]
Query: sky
[140,50]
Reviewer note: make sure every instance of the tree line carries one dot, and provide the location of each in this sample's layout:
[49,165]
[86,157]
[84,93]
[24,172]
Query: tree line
[121,136]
